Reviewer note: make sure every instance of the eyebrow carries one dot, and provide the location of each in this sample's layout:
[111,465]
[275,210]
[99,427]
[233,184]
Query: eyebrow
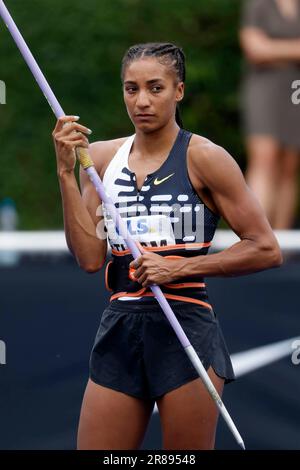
[153,80]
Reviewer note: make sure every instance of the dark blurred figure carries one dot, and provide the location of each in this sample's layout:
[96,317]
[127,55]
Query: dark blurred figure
[270,39]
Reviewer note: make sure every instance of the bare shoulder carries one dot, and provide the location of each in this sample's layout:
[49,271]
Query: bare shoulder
[103,151]
[209,160]
[203,149]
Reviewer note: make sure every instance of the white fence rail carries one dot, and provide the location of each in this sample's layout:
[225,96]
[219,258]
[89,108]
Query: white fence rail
[54,241]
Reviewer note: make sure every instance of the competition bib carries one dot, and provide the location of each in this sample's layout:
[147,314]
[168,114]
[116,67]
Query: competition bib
[149,230]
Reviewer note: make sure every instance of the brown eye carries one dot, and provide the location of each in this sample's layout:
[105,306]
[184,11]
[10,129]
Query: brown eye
[130,90]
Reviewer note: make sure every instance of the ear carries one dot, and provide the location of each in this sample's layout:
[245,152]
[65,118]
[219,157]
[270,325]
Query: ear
[179,91]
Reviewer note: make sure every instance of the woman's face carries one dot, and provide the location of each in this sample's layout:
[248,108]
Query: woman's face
[151,93]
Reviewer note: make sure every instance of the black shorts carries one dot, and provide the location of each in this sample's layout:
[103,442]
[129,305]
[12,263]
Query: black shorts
[137,352]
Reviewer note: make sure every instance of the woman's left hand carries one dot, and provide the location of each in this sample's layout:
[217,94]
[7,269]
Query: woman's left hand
[154,269]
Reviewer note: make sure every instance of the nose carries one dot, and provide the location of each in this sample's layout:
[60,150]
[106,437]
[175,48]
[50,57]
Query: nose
[142,99]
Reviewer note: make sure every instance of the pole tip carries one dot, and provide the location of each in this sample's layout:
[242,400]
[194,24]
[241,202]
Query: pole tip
[242,445]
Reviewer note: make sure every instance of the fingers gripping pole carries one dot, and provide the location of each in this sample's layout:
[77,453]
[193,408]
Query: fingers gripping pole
[87,163]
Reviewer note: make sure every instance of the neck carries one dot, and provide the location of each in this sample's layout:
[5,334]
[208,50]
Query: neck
[156,142]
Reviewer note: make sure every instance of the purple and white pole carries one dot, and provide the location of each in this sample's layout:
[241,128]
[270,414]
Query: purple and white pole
[87,163]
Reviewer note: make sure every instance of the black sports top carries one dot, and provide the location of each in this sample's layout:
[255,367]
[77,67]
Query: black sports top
[166,216]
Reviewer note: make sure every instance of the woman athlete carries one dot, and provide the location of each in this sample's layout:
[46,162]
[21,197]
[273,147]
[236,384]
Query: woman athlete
[171,187]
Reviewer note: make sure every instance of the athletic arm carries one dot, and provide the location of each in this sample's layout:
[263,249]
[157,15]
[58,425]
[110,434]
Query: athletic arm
[257,249]
[260,49]
[79,208]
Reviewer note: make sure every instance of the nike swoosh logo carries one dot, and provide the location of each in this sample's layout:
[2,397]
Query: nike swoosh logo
[157,181]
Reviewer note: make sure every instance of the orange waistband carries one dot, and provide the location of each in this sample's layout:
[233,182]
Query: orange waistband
[187,246]
[142,293]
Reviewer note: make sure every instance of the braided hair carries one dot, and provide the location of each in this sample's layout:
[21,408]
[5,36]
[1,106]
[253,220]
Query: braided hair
[166,53]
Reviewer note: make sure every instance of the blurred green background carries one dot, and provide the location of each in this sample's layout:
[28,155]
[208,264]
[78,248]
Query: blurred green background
[79,46]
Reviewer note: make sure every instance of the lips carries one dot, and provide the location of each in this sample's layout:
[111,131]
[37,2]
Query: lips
[144,116]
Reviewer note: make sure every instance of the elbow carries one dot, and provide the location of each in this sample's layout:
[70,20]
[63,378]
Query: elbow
[278,259]
[90,267]
[93,262]
[272,255]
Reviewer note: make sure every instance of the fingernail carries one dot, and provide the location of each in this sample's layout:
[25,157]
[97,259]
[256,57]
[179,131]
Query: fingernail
[76,117]
[89,131]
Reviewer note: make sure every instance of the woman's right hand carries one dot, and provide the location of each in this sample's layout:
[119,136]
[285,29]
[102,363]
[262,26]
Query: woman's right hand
[67,135]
